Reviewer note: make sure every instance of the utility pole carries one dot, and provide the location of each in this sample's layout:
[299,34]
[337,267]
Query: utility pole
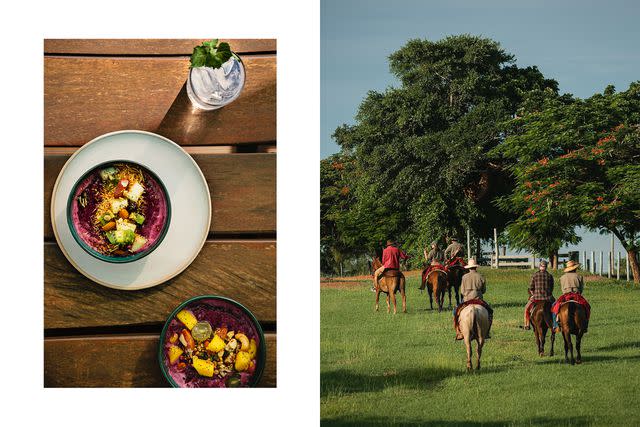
[495,245]
[469,244]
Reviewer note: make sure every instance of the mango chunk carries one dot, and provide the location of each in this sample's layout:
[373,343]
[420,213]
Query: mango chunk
[243,360]
[216,344]
[204,367]
[187,318]
[174,353]
[253,348]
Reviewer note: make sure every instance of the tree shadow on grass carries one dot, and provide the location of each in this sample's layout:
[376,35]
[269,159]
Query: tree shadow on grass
[385,421]
[343,381]
[620,346]
[586,358]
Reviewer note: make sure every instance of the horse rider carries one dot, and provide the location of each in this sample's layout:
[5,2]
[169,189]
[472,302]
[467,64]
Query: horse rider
[540,289]
[391,257]
[453,251]
[572,285]
[434,258]
[472,289]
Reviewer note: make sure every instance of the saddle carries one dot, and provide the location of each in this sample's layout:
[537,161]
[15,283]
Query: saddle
[574,298]
[391,273]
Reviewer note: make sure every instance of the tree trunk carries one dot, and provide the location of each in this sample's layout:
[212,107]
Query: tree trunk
[632,256]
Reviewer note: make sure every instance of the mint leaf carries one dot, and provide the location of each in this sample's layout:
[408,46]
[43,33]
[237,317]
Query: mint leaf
[210,54]
[198,57]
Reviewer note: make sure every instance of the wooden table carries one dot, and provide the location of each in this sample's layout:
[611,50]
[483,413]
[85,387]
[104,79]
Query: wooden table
[101,337]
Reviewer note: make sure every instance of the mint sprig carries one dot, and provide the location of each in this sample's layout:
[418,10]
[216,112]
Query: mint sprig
[211,54]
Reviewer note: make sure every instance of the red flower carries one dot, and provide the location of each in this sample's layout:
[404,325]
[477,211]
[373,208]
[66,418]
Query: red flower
[601,162]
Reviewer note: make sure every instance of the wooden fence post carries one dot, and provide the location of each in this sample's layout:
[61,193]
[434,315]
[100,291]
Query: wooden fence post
[610,265]
[585,264]
[627,266]
[495,246]
[600,265]
[618,267]
[593,262]
[612,256]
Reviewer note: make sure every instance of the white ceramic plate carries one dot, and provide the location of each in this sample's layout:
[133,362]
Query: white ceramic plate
[190,208]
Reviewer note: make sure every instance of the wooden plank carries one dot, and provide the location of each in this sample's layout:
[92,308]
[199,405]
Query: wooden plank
[148,46]
[242,188]
[87,97]
[242,270]
[131,361]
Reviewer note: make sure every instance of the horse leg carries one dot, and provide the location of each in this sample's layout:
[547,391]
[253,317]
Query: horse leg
[388,305]
[553,340]
[578,341]
[480,342]
[377,297]
[467,343]
[404,295]
[568,346]
[536,333]
[430,297]
[543,338]
[449,296]
[457,289]
[392,292]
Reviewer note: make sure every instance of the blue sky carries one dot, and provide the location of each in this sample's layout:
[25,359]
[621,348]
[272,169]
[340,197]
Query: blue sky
[584,45]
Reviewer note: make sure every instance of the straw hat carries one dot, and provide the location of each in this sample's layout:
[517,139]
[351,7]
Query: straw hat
[571,265]
[472,263]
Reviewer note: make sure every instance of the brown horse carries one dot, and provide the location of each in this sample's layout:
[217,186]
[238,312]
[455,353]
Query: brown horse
[437,285]
[454,277]
[572,319]
[390,282]
[541,321]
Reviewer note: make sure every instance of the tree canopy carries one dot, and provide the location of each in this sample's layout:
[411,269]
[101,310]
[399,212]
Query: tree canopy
[421,150]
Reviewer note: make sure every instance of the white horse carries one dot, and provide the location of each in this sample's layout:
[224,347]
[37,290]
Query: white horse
[474,324]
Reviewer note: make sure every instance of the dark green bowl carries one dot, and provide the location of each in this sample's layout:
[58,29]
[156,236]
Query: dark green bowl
[262,348]
[124,259]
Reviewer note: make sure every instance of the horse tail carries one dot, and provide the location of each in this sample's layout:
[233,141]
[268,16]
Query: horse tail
[548,319]
[571,321]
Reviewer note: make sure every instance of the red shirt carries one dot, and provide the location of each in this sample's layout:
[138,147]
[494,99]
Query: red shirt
[391,257]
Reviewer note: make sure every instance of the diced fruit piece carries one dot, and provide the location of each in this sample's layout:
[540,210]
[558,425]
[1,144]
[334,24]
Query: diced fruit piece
[174,338]
[138,243]
[253,348]
[134,192]
[201,331]
[111,236]
[181,366]
[204,367]
[222,332]
[242,361]
[117,204]
[109,226]
[216,344]
[123,224]
[186,339]
[244,341]
[136,217]
[233,382]
[187,318]
[108,174]
[122,185]
[123,214]
[124,237]
[174,354]
[106,218]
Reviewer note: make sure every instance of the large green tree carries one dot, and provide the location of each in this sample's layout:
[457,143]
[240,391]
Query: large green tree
[422,149]
[577,163]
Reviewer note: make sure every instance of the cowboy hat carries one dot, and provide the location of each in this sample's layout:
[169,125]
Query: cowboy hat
[472,263]
[571,265]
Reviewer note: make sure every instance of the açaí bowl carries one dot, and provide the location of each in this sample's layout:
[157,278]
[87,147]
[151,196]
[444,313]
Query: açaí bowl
[218,311]
[157,213]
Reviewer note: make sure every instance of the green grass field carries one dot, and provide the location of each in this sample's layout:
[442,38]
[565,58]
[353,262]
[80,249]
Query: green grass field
[381,369]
